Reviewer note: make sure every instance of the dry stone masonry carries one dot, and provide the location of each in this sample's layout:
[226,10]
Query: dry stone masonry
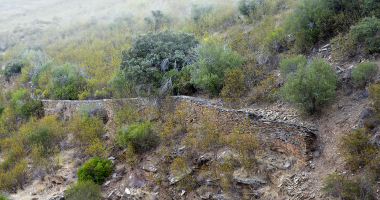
[272,133]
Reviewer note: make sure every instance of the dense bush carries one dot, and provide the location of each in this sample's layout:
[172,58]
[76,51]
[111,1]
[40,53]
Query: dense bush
[87,132]
[358,148]
[233,88]
[342,46]
[93,110]
[151,54]
[25,105]
[1,109]
[140,136]
[95,169]
[338,186]
[66,82]
[314,20]
[290,65]
[213,58]
[365,31]
[364,72]
[247,7]
[310,86]
[3,197]
[86,190]
[11,68]
[197,11]
[374,96]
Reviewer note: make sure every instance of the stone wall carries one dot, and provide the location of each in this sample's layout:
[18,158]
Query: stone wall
[276,135]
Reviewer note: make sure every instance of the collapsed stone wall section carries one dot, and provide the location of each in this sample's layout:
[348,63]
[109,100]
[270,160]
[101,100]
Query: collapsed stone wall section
[276,135]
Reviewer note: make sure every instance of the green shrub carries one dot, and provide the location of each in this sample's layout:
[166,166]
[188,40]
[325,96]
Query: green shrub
[313,20]
[310,86]
[365,31]
[338,186]
[208,71]
[92,110]
[1,109]
[247,7]
[370,8]
[364,72]
[95,169]
[11,68]
[151,54]
[290,65]
[37,73]
[66,82]
[3,197]
[233,88]
[84,190]
[197,11]
[140,136]
[25,105]
[357,148]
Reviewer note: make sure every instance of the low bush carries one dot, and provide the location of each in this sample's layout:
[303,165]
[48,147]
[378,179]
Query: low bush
[233,88]
[1,109]
[366,32]
[11,68]
[292,64]
[139,135]
[84,190]
[342,46]
[338,186]
[3,197]
[95,169]
[265,91]
[67,82]
[364,73]
[310,86]
[247,7]
[213,59]
[358,148]
[197,11]
[374,96]
[87,133]
[93,110]
[25,105]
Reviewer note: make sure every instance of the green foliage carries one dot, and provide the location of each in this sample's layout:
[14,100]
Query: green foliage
[292,64]
[370,8]
[95,169]
[86,190]
[25,105]
[38,73]
[180,81]
[364,72]
[87,132]
[357,148]
[374,96]
[3,197]
[152,54]
[342,46]
[11,68]
[213,59]
[247,7]
[197,11]
[310,86]
[368,27]
[233,88]
[313,20]
[366,31]
[1,109]
[66,82]
[140,136]
[338,186]
[158,20]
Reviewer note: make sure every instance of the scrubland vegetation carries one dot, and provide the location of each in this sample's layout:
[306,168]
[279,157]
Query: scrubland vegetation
[227,49]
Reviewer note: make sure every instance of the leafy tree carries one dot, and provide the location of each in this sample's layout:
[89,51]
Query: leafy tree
[247,7]
[310,86]
[365,31]
[151,55]
[85,190]
[66,82]
[208,71]
[11,68]
[95,169]
[158,20]
[25,105]
[364,72]
[290,65]
[140,136]
[197,11]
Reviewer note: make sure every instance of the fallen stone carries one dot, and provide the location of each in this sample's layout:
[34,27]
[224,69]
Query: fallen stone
[204,158]
[206,196]
[57,197]
[241,176]
[107,183]
[176,178]
[149,168]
